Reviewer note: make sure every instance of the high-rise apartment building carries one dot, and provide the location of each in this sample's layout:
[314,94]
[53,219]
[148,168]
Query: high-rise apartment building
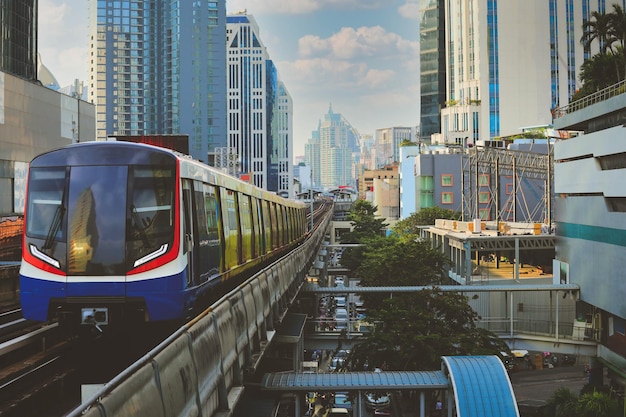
[432,67]
[260,122]
[387,144]
[312,158]
[18,43]
[159,68]
[503,74]
[339,151]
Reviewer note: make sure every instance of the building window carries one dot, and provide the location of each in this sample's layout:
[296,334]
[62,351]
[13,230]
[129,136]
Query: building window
[483,197]
[447,180]
[447,198]
[484,214]
[483,180]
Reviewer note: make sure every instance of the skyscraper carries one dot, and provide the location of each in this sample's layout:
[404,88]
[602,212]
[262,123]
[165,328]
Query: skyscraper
[503,74]
[159,68]
[387,144]
[432,67]
[18,43]
[339,151]
[260,109]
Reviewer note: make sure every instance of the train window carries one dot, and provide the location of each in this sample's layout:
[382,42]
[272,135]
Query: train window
[150,213]
[211,207]
[45,211]
[267,226]
[256,227]
[275,226]
[246,226]
[97,220]
[214,249]
[229,225]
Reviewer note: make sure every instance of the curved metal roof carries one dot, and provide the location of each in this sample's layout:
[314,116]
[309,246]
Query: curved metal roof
[481,386]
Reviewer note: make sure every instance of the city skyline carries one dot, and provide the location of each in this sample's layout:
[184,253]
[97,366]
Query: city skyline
[363,59]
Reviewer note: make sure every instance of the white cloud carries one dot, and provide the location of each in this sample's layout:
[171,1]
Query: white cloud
[62,39]
[300,6]
[350,43]
[410,10]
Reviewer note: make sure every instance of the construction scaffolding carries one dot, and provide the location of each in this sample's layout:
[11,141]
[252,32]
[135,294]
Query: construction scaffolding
[507,185]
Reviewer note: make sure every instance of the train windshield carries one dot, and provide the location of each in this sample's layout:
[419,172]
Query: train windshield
[150,214]
[110,218]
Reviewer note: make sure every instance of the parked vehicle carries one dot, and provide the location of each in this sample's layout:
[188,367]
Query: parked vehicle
[342,400]
[377,400]
[338,412]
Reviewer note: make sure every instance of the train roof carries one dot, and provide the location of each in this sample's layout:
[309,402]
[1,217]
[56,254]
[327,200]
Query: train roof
[95,152]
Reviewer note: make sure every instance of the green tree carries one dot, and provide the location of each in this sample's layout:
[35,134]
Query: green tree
[618,34]
[599,72]
[364,223]
[424,217]
[608,66]
[562,403]
[413,330]
[597,29]
[597,404]
[366,227]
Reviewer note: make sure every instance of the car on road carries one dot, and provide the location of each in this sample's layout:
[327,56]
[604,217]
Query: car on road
[377,400]
[335,364]
[338,412]
[342,400]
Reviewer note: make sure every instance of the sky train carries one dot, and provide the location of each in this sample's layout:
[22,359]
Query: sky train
[120,232]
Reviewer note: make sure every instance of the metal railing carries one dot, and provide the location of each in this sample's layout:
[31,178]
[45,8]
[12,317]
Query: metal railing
[598,96]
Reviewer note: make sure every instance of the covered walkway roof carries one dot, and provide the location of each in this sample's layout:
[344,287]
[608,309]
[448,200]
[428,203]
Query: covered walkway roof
[480,385]
[353,381]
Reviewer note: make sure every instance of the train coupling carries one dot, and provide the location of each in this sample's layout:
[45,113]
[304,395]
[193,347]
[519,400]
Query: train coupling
[95,317]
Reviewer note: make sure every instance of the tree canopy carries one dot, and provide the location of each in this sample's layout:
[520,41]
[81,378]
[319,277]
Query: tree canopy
[412,330]
[424,217]
[608,66]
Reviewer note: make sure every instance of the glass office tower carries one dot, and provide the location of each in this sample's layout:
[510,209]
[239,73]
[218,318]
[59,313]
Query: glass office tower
[18,39]
[158,68]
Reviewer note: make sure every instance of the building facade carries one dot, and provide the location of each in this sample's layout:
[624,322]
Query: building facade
[490,91]
[260,109]
[34,120]
[18,42]
[479,183]
[432,67]
[339,151]
[158,68]
[406,175]
[387,143]
[590,221]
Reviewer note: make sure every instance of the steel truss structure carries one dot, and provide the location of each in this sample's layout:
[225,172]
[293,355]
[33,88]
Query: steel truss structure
[527,178]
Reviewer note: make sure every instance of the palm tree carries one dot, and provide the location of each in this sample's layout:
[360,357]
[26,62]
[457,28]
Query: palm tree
[617,31]
[598,28]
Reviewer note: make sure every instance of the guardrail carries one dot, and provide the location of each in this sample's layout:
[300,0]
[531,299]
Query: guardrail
[598,96]
[199,370]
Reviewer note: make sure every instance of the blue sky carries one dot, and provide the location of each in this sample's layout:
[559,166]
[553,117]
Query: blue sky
[361,56]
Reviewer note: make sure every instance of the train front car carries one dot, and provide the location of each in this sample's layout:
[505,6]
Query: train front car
[102,236]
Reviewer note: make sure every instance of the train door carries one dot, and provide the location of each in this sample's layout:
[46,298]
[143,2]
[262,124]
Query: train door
[189,232]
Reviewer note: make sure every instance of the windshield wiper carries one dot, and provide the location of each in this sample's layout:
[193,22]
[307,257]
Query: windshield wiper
[55,226]
[138,224]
